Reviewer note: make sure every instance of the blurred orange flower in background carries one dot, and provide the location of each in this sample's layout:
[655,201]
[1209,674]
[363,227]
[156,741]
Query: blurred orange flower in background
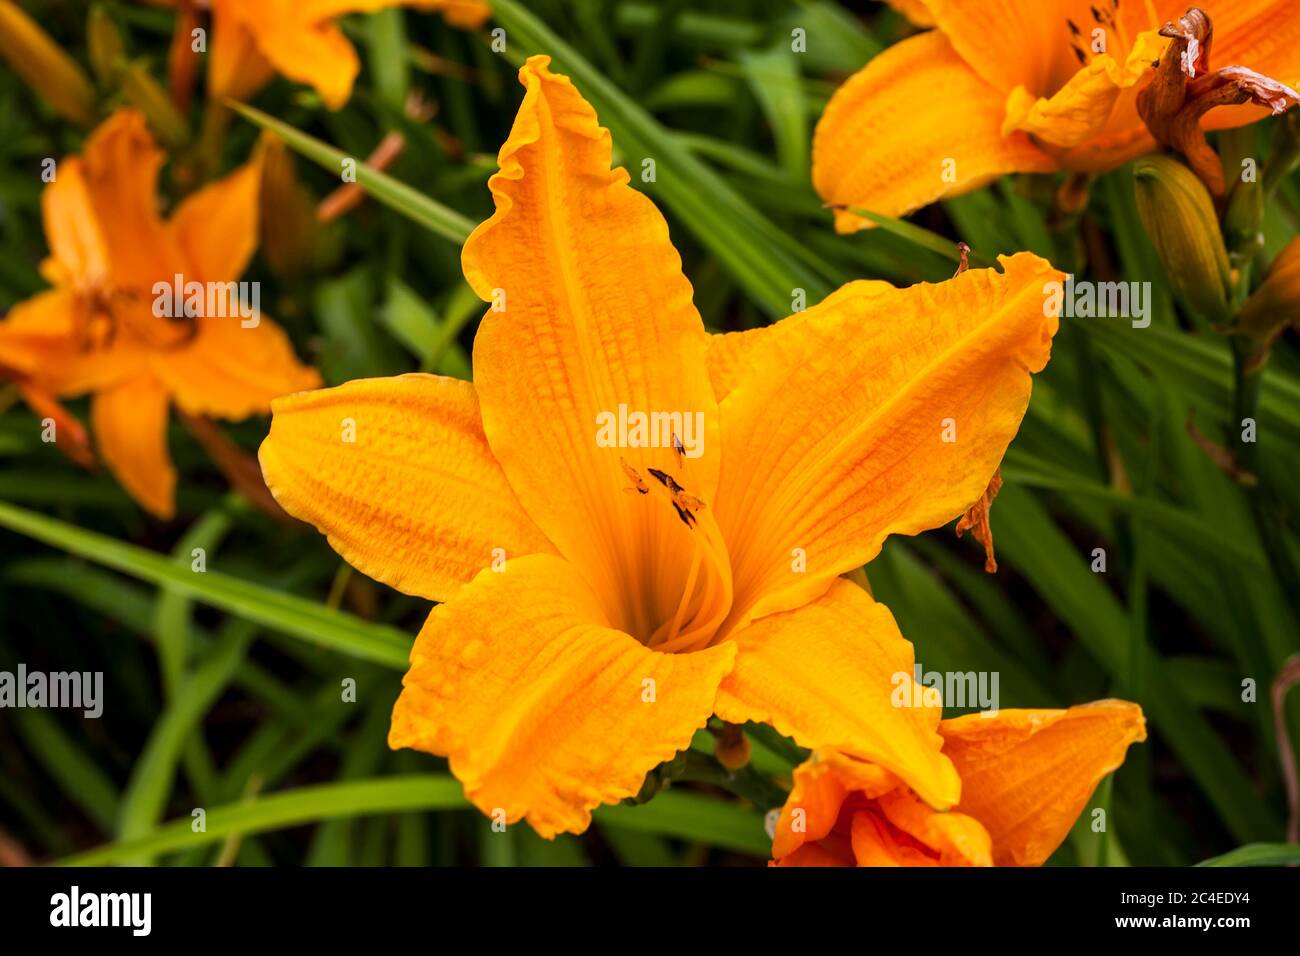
[98,330]
[1033,86]
[299,39]
[611,623]
[1025,777]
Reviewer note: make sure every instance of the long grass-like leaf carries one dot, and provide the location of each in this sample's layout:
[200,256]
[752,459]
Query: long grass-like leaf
[407,200]
[286,613]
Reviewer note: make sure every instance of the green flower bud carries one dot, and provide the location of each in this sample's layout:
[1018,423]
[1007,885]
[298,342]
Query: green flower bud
[1176,210]
[148,96]
[1275,305]
[1243,223]
[105,45]
[45,66]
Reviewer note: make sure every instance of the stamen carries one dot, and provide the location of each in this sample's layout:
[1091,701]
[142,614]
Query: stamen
[1107,18]
[634,476]
[964,251]
[684,503]
[684,632]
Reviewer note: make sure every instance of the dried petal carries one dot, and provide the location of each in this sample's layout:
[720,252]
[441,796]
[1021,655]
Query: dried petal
[976,519]
[1185,89]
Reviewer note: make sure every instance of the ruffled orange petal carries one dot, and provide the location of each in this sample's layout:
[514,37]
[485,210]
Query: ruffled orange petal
[817,854]
[954,838]
[416,500]
[730,353]
[130,425]
[915,11]
[121,162]
[1027,774]
[915,125]
[38,332]
[71,229]
[877,843]
[1012,43]
[594,323]
[70,435]
[544,711]
[297,44]
[466,14]
[40,340]
[837,674]
[318,55]
[821,786]
[1083,108]
[229,371]
[216,227]
[876,413]
[237,69]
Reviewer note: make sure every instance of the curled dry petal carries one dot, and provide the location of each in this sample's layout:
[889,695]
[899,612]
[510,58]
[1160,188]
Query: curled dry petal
[1185,89]
[976,519]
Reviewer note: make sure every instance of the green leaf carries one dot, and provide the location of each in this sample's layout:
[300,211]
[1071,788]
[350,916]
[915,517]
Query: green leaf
[76,772]
[386,41]
[152,776]
[774,77]
[286,613]
[921,237]
[1258,854]
[689,816]
[328,801]
[433,215]
[1031,543]
[1202,364]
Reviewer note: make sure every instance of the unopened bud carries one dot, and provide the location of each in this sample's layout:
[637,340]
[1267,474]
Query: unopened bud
[1275,305]
[288,218]
[1243,223]
[1176,209]
[147,95]
[45,66]
[731,746]
[104,42]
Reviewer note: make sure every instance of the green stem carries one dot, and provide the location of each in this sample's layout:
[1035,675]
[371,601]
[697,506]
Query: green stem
[745,782]
[1247,376]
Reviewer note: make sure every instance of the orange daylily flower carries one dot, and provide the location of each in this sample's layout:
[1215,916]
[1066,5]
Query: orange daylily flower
[602,599]
[1006,86]
[298,38]
[97,330]
[1026,775]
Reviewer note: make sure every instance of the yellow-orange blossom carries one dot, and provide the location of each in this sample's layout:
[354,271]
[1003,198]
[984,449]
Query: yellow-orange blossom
[299,38]
[1004,86]
[587,631]
[96,331]
[1026,775]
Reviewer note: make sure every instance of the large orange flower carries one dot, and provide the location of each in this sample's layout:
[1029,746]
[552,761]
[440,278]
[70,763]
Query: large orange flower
[604,598]
[1026,775]
[299,39]
[97,329]
[1004,86]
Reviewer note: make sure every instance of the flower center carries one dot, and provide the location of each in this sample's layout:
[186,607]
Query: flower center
[109,312]
[1103,31]
[699,600]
